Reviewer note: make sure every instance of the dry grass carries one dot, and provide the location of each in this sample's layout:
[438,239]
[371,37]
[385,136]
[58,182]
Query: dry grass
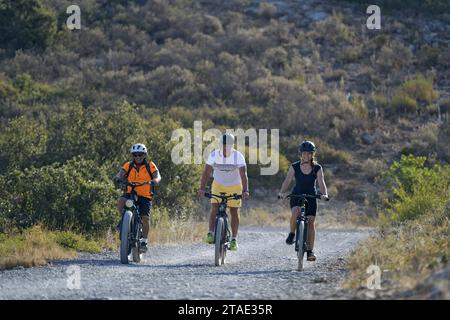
[331,215]
[178,231]
[270,215]
[408,252]
[32,248]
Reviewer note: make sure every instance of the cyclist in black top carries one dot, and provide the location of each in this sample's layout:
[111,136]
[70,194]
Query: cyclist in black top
[306,172]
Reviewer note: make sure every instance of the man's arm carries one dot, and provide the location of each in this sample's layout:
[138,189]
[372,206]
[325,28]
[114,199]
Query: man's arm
[156,177]
[244,180]
[204,179]
[119,176]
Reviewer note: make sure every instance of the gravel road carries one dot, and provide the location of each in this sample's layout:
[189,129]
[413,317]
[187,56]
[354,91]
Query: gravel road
[264,267]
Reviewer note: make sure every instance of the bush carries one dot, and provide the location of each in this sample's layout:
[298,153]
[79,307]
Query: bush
[373,168]
[393,56]
[420,89]
[26,24]
[26,137]
[413,92]
[428,56]
[267,10]
[416,189]
[333,30]
[402,102]
[76,242]
[351,54]
[76,196]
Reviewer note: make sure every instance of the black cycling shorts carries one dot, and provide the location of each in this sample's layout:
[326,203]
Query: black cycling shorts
[310,205]
[143,204]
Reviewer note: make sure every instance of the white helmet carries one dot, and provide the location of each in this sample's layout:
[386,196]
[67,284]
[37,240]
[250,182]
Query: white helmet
[228,139]
[138,147]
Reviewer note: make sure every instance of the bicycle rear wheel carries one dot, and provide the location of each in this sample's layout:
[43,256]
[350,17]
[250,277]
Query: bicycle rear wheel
[219,236]
[300,244]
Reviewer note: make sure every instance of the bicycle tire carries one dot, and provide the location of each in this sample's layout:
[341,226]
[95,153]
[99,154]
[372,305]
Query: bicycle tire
[224,241]
[136,255]
[300,243]
[124,236]
[218,239]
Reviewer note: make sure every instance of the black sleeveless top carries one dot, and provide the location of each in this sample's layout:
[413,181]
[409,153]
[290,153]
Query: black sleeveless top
[305,183]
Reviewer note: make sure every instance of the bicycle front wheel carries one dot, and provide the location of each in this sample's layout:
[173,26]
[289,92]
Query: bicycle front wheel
[300,244]
[124,236]
[136,247]
[220,233]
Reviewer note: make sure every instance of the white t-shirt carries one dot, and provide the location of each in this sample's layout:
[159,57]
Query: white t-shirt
[226,169]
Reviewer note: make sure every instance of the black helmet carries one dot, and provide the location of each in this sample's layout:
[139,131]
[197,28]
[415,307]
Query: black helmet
[307,146]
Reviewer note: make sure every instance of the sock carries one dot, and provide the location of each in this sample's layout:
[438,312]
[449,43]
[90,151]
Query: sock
[212,232]
[145,240]
[233,238]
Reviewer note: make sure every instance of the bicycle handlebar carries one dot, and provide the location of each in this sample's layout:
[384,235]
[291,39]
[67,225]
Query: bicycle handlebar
[138,184]
[223,197]
[316,196]
[135,184]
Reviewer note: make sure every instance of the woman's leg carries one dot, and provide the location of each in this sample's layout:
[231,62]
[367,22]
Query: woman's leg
[295,212]
[311,232]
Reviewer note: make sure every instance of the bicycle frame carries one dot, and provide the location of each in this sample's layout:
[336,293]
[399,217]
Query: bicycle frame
[222,213]
[302,218]
[136,223]
[223,243]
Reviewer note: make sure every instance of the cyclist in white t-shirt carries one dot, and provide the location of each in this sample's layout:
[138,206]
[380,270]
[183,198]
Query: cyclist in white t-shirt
[230,176]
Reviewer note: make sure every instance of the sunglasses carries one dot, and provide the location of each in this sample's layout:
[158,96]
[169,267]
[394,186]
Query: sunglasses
[138,154]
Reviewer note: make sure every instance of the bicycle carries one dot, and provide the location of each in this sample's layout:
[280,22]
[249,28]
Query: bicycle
[131,225]
[222,232]
[301,227]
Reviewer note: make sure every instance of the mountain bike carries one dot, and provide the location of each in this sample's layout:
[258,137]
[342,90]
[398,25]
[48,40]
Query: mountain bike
[222,232]
[131,225]
[301,227]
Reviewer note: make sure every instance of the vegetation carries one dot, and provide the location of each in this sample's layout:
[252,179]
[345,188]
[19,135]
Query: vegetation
[413,228]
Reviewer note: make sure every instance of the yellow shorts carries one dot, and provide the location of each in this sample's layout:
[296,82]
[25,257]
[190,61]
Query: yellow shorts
[217,188]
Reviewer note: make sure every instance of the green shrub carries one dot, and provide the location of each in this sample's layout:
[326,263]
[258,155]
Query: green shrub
[76,196]
[413,92]
[420,89]
[428,56]
[77,242]
[267,10]
[402,102]
[393,56]
[351,54]
[373,168]
[333,30]
[7,92]
[415,189]
[24,136]
[26,24]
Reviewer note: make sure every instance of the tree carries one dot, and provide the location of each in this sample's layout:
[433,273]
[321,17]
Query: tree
[26,24]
